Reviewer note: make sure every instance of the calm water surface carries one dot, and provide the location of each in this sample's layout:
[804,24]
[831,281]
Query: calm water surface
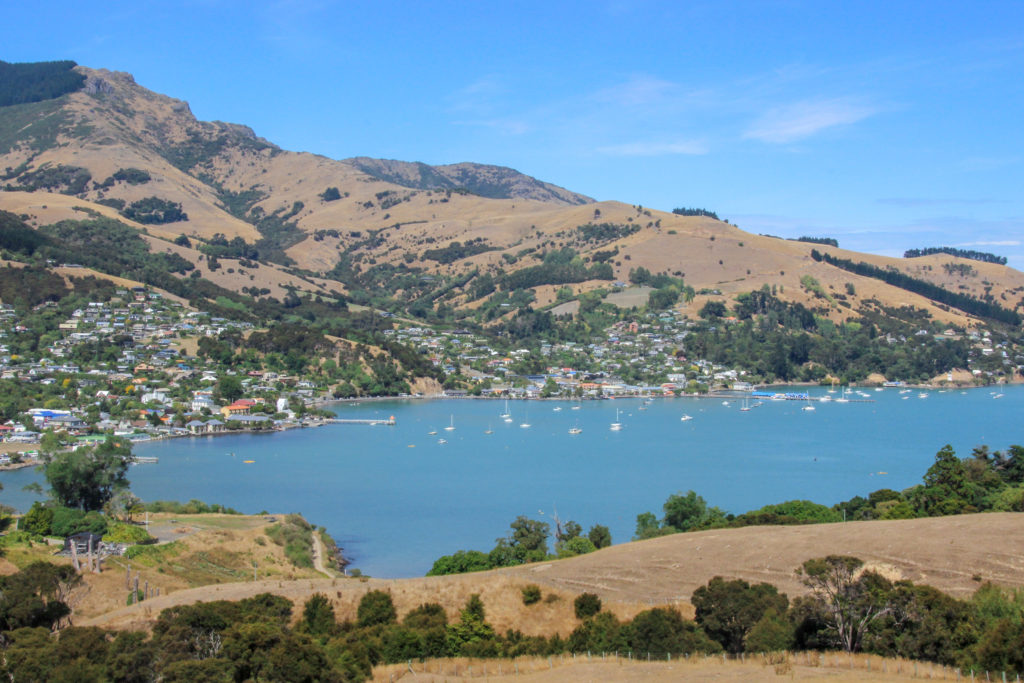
[396,499]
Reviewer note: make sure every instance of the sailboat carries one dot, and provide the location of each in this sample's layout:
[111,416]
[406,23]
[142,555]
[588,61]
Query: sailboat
[506,414]
[843,399]
[616,426]
[746,406]
[451,427]
[489,430]
[809,406]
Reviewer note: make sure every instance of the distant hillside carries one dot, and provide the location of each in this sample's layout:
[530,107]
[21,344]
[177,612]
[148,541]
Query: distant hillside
[494,182]
[418,239]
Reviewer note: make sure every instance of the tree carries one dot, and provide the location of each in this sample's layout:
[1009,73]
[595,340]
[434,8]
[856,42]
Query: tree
[689,511]
[230,388]
[375,608]
[36,596]
[318,616]
[600,536]
[529,539]
[851,599]
[586,605]
[713,309]
[728,610]
[89,477]
[472,636]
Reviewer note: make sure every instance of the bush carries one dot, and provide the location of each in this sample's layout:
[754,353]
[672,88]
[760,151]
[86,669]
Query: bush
[587,605]
[375,608]
[121,532]
[531,594]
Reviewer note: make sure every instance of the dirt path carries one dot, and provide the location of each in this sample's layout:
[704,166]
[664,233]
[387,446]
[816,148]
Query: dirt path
[318,556]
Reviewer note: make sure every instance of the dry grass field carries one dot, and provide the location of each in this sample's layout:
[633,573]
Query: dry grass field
[810,667]
[954,554]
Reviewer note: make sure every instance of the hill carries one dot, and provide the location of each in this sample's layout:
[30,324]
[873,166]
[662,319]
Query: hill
[406,231]
[953,554]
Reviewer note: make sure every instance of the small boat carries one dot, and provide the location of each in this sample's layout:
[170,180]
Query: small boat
[451,427]
[488,430]
[248,462]
[808,407]
[616,426]
[442,441]
[575,407]
[843,399]
[432,432]
[557,409]
[746,406]
[507,416]
[575,430]
[685,418]
[923,394]
[525,425]
[725,403]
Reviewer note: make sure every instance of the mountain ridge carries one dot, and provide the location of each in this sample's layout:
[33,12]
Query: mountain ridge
[114,144]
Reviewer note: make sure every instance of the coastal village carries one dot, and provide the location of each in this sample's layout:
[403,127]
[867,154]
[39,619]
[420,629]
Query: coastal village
[129,367]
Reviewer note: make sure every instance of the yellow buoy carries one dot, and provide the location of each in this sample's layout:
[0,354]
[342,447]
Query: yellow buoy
[248,462]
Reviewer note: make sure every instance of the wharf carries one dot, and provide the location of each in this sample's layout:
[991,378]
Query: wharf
[390,422]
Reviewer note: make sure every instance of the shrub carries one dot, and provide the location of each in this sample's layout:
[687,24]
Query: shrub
[531,594]
[587,605]
[375,608]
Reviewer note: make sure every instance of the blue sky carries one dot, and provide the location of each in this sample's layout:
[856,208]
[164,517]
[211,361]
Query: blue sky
[887,125]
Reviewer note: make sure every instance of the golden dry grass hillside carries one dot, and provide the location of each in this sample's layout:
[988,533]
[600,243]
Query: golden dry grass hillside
[953,554]
[225,178]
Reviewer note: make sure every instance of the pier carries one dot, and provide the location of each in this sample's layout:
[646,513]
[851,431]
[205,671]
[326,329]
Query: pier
[390,422]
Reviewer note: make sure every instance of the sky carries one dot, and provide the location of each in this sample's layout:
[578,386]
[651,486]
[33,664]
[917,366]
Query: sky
[886,125]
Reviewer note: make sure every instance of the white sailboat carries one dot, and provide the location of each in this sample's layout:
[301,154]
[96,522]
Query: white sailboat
[843,399]
[616,426]
[489,430]
[506,415]
[451,427]
[746,406]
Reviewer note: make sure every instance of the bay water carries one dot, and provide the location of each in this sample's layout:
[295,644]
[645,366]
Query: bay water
[396,499]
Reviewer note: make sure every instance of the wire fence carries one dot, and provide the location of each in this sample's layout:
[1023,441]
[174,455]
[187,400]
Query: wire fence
[780,663]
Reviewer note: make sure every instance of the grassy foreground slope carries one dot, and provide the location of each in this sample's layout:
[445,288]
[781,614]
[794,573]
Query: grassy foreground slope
[953,554]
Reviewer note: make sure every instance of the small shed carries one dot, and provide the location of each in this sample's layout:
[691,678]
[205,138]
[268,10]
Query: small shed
[82,540]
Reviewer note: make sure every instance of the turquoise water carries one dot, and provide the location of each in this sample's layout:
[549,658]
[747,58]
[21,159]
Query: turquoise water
[396,499]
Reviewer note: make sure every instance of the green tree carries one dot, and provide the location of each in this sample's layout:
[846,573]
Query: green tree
[88,477]
[318,616]
[850,598]
[472,636]
[690,511]
[230,388]
[586,605]
[600,536]
[663,630]
[376,607]
[728,610]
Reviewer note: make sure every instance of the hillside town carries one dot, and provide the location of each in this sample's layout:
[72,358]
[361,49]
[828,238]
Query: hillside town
[129,366]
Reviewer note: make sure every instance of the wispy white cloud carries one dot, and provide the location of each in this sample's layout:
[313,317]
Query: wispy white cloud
[655,149]
[637,90]
[804,119]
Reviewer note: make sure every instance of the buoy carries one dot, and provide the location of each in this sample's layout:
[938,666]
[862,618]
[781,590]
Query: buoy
[248,462]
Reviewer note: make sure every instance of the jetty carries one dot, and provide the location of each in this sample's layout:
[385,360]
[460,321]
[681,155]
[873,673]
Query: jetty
[390,422]
[140,459]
